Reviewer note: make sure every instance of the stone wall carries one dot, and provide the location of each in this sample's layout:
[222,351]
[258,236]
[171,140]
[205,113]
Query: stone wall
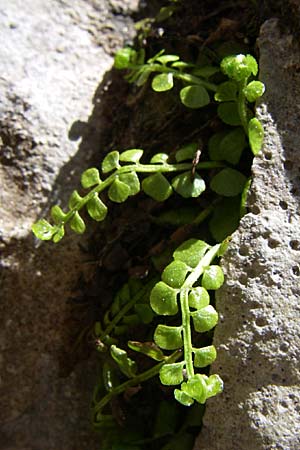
[258,334]
[54,56]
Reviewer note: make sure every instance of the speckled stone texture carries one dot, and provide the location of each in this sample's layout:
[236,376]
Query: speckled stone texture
[54,56]
[258,337]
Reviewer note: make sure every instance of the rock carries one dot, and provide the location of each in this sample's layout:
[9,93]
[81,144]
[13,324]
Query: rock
[258,335]
[54,59]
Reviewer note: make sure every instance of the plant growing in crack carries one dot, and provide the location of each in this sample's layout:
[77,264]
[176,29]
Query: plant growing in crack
[122,183]
[181,296]
[183,288]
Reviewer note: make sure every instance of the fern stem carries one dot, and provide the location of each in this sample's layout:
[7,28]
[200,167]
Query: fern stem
[185,309]
[205,262]
[141,168]
[125,309]
[187,335]
[187,77]
[242,106]
[144,376]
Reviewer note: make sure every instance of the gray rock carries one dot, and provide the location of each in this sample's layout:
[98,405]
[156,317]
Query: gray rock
[54,55]
[259,330]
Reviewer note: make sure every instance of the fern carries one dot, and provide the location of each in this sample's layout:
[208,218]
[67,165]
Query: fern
[177,291]
[130,307]
[183,289]
[122,183]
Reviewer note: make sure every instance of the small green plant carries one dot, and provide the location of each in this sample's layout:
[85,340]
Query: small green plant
[167,68]
[182,295]
[226,146]
[129,308]
[122,183]
[182,291]
[192,260]
[235,94]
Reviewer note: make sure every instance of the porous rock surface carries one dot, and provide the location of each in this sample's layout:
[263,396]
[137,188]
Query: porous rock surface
[53,56]
[258,335]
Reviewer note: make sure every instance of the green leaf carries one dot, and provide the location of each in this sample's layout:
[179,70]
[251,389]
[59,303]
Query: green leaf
[164,59]
[204,356]
[176,217]
[74,200]
[254,90]
[140,59]
[90,177]
[168,338]
[194,96]
[227,146]
[157,187]
[163,299]
[228,112]
[110,162]
[120,329]
[162,82]
[126,365]
[154,58]
[196,388]
[186,152]
[226,92]
[205,319]
[239,67]
[118,191]
[143,76]
[131,320]
[206,71]
[96,208]
[188,185]
[57,214]
[43,230]
[198,297]
[77,224]
[132,181]
[174,274]
[256,135]
[110,377]
[98,329]
[212,278]
[232,145]
[225,218]
[159,158]
[191,251]
[183,398]
[148,349]
[165,13]
[144,312]
[181,65]
[171,374]
[214,385]
[214,146]
[244,197]
[124,57]
[229,182]
[59,234]
[133,155]
[223,247]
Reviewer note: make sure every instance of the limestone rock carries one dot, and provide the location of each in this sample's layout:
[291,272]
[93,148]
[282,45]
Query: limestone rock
[258,335]
[54,56]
